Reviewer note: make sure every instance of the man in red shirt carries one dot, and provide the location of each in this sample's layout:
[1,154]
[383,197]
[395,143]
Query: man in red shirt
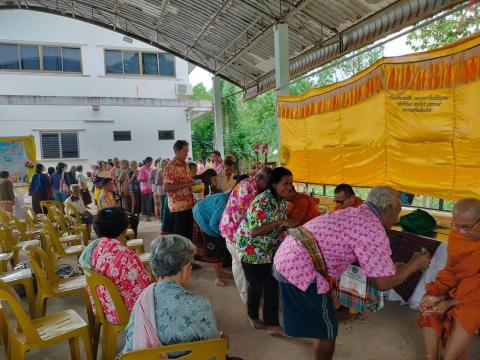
[177,183]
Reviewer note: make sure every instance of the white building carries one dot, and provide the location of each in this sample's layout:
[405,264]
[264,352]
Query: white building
[62,78]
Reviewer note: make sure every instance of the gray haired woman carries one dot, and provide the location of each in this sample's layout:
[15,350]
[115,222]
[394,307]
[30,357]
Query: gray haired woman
[180,316]
[339,239]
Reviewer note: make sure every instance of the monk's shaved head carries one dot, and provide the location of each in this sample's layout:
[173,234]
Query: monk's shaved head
[468,207]
[466,218]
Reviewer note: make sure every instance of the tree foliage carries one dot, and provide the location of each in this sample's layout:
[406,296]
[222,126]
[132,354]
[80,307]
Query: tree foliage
[447,30]
[202,128]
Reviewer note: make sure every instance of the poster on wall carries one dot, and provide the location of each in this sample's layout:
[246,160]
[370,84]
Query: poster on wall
[12,159]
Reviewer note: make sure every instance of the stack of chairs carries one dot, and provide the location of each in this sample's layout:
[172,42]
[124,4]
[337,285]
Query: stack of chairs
[24,331]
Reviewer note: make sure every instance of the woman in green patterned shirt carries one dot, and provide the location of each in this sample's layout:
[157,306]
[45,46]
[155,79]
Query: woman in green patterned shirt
[257,238]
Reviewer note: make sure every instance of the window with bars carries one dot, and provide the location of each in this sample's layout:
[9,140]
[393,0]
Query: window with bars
[122,135]
[59,145]
[166,134]
[139,63]
[40,58]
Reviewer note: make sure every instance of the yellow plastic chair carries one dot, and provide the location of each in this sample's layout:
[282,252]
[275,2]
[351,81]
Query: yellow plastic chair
[199,350]
[66,228]
[50,285]
[110,331]
[43,332]
[48,204]
[76,218]
[9,244]
[22,277]
[57,243]
[5,258]
[136,245]
[4,216]
[4,330]
[21,226]
[30,217]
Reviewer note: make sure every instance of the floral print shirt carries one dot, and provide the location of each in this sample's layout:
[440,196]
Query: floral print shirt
[344,237]
[264,209]
[240,199]
[177,171]
[123,266]
[106,200]
[180,316]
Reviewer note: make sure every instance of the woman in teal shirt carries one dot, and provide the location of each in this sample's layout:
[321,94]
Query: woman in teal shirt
[180,315]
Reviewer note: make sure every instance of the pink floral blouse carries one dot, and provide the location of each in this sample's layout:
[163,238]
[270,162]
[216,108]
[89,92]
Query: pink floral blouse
[123,266]
[344,237]
[240,199]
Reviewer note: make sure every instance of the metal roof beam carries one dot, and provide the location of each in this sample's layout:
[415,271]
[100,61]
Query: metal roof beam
[275,19]
[292,11]
[224,6]
[387,21]
[162,14]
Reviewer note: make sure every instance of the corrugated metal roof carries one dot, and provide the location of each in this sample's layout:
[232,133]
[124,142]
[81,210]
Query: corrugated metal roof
[234,38]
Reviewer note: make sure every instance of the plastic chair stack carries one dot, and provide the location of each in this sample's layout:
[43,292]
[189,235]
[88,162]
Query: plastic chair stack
[34,334]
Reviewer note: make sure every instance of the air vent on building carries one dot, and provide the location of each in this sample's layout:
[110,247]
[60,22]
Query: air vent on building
[183,89]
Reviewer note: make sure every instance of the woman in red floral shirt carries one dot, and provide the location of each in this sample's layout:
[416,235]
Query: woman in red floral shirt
[110,257]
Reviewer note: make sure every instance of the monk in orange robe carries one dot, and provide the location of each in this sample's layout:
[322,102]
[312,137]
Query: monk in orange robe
[301,208]
[345,197]
[450,309]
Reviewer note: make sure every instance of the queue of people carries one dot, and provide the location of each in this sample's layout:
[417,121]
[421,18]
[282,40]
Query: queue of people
[279,246]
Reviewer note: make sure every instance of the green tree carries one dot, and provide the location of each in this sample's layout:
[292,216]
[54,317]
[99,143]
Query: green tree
[202,128]
[200,92]
[446,30]
[357,62]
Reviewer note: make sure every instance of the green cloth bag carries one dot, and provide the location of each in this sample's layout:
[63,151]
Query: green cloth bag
[418,222]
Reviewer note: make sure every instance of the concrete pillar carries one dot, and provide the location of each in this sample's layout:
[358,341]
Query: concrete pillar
[282,65]
[282,71]
[217,108]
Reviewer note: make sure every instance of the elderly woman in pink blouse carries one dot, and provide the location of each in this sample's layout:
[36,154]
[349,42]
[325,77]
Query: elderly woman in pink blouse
[338,239]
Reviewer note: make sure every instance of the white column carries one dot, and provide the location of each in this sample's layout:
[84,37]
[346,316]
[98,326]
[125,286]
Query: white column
[217,108]
[282,66]
[282,71]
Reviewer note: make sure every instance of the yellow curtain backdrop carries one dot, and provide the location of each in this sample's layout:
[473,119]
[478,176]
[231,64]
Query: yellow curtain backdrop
[411,122]
[30,150]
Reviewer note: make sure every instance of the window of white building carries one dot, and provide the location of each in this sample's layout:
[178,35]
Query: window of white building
[28,57]
[166,134]
[139,63]
[59,145]
[122,135]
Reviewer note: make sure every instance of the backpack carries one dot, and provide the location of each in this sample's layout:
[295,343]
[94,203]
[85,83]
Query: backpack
[418,222]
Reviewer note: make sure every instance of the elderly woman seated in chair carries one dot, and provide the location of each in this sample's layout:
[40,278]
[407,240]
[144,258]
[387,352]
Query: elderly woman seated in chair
[109,256]
[166,313]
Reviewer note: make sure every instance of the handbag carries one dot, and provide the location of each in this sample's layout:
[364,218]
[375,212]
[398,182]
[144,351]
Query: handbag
[371,301]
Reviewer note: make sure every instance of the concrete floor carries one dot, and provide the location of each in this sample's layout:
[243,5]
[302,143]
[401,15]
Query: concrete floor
[390,334]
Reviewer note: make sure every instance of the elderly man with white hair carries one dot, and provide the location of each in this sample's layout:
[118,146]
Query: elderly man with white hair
[76,200]
[323,248]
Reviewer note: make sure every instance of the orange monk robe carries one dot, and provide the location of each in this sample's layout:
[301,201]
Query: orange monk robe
[460,279]
[302,208]
[357,203]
